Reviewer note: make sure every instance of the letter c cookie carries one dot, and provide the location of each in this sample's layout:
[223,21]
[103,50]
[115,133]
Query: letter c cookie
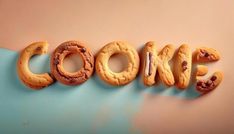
[35,81]
[123,77]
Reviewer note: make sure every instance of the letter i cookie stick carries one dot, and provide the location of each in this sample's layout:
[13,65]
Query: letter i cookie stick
[164,70]
[149,61]
[182,66]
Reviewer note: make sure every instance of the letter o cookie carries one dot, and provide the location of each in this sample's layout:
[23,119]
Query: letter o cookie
[58,56]
[34,81]
[121,78]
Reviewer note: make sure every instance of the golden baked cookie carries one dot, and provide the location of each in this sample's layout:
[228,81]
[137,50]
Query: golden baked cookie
[201,70]
[34,81]
[164,70]
[183,66]
[207,85]
[204,54]
[60,53]
[121,78]
[149,62]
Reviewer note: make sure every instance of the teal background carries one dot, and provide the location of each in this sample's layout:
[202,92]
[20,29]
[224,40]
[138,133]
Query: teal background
[93,107]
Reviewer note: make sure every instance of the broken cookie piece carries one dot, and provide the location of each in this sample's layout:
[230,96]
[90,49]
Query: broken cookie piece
[201,70]
[204,54]
[205,86]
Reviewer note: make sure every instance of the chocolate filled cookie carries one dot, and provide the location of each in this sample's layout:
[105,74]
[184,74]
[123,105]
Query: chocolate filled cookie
[60,53]
[149,63]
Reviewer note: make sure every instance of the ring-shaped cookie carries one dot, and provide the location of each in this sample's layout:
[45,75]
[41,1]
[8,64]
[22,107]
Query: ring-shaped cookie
[60,53]
[34,81]
[120,78]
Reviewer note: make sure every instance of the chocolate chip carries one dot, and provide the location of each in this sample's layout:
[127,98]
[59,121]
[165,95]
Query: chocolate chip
[38,49]
[199,83]
[56,61]
[213,78]
[150,64]
[83,50]
[206,55]
[184,65]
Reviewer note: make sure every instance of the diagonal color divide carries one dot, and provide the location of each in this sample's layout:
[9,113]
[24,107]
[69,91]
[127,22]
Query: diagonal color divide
[92,107]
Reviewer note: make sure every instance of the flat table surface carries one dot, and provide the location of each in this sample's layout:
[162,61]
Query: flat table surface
[97,108]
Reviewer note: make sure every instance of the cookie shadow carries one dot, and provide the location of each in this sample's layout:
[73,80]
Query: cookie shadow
[102,85]
[160,89]
[16,83]
[189,93]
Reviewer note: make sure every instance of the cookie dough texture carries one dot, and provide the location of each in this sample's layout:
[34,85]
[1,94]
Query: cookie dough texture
[60,53]
[204,54]
[206,85]
[183,66]
[128,74]
[34,81]
[149,63]
[164,70]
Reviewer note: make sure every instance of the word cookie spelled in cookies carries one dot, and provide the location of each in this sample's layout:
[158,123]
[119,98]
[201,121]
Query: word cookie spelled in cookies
[152,65]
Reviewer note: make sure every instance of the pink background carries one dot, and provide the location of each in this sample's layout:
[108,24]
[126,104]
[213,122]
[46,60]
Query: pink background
[197,23]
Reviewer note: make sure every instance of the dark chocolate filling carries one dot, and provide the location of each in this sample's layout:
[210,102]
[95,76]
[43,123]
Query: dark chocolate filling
[150,63]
